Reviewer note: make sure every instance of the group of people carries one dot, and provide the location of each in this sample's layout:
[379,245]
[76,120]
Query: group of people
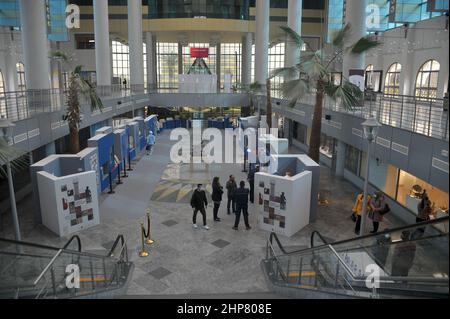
[376,207]
[237,202]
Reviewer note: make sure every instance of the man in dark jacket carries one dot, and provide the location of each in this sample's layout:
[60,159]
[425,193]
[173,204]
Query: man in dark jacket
[231,189]
[241,198]
[199,203]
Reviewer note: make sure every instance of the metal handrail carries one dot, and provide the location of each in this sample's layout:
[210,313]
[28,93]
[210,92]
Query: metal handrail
[77,238]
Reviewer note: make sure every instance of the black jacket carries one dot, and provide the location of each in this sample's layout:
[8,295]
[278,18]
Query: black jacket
[241,196]
[231,188]
[217,193]
[198,200]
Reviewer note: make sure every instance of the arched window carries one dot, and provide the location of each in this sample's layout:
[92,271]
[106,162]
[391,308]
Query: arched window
[21,77]
[2,96]
[427,80]
[392,81]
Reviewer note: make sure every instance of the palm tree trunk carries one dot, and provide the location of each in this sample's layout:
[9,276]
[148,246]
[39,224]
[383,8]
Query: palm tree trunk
[269,105]
[316,129]
[74,139]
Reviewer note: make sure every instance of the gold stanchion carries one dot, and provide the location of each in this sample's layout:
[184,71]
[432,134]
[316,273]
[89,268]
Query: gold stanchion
[143,252]
[149,240]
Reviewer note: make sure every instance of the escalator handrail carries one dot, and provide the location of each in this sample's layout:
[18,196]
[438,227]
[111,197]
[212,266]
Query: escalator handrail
[75,237]
[116,242]
[317,233]
[421,224]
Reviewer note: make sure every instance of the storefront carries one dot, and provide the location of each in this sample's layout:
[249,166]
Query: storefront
[397,184]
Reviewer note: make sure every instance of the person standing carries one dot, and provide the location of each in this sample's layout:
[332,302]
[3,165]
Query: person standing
[251,180]
[150,142]
[377,206]
[217,191]
[357,210]
[423,209]
[199,204]
[241,198]
[231,189]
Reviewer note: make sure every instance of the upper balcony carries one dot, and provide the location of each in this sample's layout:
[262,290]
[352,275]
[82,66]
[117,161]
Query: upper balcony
[428,117]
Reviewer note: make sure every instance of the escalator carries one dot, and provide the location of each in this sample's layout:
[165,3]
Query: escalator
[403,263]
[34,271]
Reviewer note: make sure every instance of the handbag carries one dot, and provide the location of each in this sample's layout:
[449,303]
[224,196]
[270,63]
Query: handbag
[385,210]
[353,217]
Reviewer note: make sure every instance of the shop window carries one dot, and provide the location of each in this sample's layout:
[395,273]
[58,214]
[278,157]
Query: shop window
[373,78]
[409,188]
[21,77]
[392,80]
[382,175]
[2,96]
[427,80]
[327,145]
[300,132]
[352,159]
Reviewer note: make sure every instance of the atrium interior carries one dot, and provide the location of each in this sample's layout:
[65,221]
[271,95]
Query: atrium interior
[251,149]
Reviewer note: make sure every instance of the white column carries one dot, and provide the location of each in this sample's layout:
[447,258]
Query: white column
[355,15]
[262,41]
[102,43]
[295,8]
[35,44]
[150,42]
[136,45]
[10,72]
[247,43]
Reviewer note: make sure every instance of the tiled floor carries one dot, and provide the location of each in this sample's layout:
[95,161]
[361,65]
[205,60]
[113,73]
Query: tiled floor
[184,260]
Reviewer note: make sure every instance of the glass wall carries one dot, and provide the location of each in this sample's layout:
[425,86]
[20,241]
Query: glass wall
[392,80]
[230,62]
[167,65]
[427,80]
[218,9]
[211,60]
[121,61]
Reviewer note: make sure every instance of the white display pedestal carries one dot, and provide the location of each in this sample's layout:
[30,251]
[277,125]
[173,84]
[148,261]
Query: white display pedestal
[68,203]
[283,203]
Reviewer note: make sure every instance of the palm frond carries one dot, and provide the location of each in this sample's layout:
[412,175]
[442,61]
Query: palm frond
[88,91]
[315,69]
[287,72]
[364,44]
[293,37]
[349,94]
[295,89]
[340,36]
[14,155]
[59,55]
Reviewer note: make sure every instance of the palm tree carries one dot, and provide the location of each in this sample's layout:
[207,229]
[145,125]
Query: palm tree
[313,75]
[78,86]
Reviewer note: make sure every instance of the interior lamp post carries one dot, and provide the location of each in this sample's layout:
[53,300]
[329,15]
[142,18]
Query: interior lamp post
[371,128]
[6,133]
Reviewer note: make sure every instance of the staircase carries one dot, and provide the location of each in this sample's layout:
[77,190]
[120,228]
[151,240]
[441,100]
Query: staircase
[411,261]
[34,271]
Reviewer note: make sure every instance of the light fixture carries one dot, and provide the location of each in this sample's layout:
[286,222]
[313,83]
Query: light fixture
[371,128]
[6,129]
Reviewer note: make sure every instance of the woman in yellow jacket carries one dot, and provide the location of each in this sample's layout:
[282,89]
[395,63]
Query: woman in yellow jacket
[357,210]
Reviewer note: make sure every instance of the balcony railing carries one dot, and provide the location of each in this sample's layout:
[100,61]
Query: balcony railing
[424,116]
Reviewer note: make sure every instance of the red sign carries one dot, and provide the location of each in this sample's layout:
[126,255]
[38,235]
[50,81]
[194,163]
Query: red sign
[199,52]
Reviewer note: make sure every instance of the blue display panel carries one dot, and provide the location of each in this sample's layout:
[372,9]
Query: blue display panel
[56,17]
[9,13]
[107,165]
[57,20]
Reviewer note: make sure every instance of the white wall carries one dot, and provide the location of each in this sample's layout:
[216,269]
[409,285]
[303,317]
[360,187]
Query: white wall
[424,41]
